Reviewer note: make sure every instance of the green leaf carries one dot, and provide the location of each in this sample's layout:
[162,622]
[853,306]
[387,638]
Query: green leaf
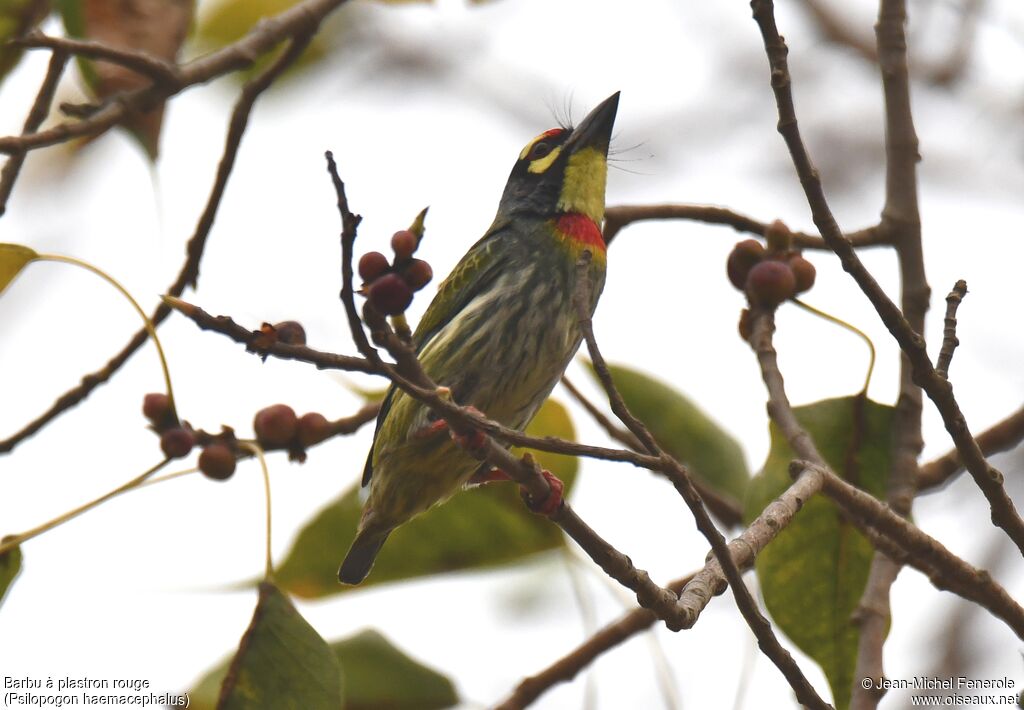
[10,566]
[481,528]
[374,673]
[13,258]
[17,17]
[813,574]
[378,675]
[281,663]
[683,430]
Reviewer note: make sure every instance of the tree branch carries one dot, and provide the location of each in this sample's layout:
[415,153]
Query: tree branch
[1004,515]
[36,116]
[303,18]
[160,71]
[1003,436]
[620,216]
[680,479]
[189,273]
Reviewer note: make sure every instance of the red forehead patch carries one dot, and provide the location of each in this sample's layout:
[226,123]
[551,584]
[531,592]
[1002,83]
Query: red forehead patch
[552,133]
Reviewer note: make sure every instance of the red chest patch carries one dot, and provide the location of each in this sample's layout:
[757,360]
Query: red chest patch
[581,229]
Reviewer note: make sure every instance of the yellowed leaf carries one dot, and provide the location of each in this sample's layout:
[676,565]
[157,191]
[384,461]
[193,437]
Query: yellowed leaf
[13,258]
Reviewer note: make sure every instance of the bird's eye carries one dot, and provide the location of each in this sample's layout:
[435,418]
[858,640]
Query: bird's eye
[539,150]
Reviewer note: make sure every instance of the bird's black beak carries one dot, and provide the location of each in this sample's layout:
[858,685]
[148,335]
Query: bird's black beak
[595,131]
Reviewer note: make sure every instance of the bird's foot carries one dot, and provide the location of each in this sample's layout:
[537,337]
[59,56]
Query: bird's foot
[553,502]
[432,429]
[472,441]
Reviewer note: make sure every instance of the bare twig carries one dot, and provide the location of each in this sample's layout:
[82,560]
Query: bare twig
[1003,436]
[349,225]
[949,339]
[36,116]
[1004,514]
[615,218]
[680,479]
[727,509]
[623,436]
[189,273]
[945,570]
[160,71]
[302,18]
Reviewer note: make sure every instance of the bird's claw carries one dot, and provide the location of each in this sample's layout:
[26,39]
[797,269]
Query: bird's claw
[473,440]
[553,502]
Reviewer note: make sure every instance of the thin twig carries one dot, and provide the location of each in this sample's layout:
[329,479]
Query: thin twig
[623,436]
[1002,436]
[949,339]
[36,116]
[349,225]
[160,71]
[1004,514]
[923,552]
[680,479]
[620,216]
[300,19]
[727,509]
[189,273]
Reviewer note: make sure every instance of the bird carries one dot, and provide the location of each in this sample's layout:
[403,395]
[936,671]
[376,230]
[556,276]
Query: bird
[498,334]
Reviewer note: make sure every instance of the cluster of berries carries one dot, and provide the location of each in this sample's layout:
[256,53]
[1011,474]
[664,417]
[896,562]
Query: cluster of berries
[276,427]
[389,286]
[773,275]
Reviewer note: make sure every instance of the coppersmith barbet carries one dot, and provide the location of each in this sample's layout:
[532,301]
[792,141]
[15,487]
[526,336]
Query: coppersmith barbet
[500,331]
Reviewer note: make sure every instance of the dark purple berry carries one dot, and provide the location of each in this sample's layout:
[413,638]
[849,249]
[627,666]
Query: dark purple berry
[290,332]
[741,260]
[418,274]
[390,294]
[313,428]
[156,406]
[217,461]
[404,243]
[177,443]
[804,272]
[275,426]
[371,265]
[778,236]
[770,283]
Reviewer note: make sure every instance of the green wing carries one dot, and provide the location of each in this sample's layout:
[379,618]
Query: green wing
[466,281]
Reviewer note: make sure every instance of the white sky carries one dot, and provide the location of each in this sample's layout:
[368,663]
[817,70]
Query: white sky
[430,106]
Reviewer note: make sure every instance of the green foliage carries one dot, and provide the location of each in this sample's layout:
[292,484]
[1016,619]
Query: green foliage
[281,662]
[814,572]
[10,566]
[16,18]
[378,675]
[481,528]
[685,431]
[13,258]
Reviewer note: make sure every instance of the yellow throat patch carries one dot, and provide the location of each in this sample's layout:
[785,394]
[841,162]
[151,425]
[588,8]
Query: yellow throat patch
[583,186]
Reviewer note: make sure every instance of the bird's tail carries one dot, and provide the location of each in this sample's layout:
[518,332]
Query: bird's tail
[360,557]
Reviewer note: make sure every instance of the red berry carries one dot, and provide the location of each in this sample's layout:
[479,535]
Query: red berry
[404,243]
[804,272]
[741,259]
[418,274]
[390,294]
[290,332]
[371,265]
[313,428]
[177,443]
[275,426]
[770,283]
[744,326]
[217,461]
[156,406]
